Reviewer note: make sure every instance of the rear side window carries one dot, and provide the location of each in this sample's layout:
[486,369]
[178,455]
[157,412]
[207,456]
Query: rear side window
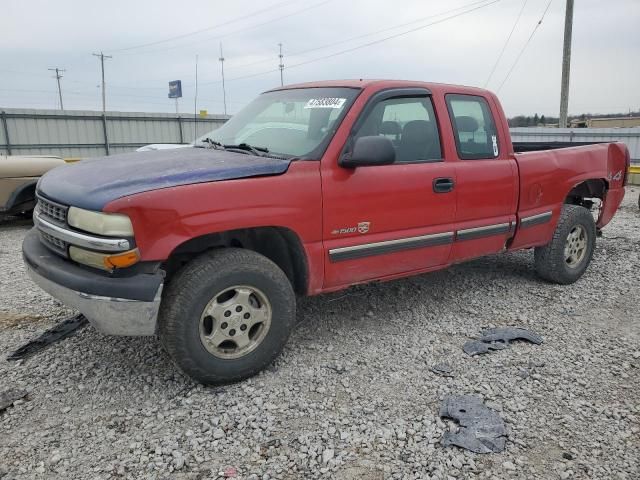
[473,126]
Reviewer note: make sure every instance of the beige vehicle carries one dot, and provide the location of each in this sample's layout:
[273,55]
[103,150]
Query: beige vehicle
[18,177]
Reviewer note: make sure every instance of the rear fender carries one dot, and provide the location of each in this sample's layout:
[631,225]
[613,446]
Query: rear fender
[618,161]
[547,179]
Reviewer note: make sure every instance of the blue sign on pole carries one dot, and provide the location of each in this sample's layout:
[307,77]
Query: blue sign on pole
[175,89]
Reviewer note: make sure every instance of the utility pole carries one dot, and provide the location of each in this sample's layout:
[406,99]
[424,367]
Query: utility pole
[102,57]
[195,106]
[58,77]
[281,57]
[566,65]
[224,92]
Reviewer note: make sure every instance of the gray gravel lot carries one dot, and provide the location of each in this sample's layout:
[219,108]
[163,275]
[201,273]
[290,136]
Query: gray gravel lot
[353,396]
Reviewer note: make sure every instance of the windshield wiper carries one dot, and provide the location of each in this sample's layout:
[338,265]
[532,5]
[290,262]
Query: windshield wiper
[210,143]
[240,147]
[258,151]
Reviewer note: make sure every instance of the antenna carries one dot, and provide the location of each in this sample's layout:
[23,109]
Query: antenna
[224,92]
[102,57]
[195,106]
[281,57]
[58,77]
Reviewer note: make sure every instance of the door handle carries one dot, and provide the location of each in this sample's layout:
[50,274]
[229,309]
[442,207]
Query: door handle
[443,184]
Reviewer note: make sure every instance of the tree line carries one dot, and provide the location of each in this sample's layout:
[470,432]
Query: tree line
[542,120]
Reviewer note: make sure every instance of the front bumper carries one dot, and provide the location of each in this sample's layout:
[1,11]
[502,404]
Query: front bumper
[114,305]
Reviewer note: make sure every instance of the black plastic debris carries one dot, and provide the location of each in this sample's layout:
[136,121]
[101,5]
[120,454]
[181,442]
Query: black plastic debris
[481,430]
[7,397]
[59,332]
[442,369]
[499,339]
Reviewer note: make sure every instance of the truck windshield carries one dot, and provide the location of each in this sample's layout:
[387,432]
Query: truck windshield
[293,123]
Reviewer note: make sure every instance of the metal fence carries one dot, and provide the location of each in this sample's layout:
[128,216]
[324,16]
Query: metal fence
[629,136]
[91,134]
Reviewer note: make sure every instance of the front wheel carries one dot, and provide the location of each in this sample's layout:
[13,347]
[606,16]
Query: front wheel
[567,256]
[226,315]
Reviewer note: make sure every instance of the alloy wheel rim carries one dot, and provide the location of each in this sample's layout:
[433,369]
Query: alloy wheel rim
[575,247]
[235,321]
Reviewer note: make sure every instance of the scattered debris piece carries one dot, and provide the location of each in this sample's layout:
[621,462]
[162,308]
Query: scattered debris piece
[499,339]
[230,472]
[476,347]
[443,369]
[482,430]
[339,369]
[7,397]
[60,331]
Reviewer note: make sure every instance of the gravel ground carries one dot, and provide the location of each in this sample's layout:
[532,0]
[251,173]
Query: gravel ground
[352,397]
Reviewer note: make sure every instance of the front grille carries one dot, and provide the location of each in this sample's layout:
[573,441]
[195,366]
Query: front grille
[53,211]
[54,243]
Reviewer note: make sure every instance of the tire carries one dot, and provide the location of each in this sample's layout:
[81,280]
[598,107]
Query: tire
[551,263]
[223,282]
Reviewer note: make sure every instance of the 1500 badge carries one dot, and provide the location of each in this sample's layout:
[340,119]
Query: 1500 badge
[362,227]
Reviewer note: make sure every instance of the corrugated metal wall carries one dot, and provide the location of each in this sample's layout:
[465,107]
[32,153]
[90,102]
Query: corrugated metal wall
[82,133]
[629,136]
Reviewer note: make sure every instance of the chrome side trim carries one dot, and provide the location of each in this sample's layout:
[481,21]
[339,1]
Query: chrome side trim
[485,231]
[389,246]
[80,239]
[534,220]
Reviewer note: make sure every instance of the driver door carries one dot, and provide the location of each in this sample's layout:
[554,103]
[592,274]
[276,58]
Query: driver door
[389,220]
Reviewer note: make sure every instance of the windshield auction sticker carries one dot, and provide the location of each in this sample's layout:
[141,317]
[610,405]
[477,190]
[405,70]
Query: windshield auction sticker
[328,102]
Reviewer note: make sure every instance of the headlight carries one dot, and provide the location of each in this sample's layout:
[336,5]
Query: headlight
[107,224]
[104,261]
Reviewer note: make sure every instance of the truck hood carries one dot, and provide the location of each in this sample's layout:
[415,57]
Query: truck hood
[91,184]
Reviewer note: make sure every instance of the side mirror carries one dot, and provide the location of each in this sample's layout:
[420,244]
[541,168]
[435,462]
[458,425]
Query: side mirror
[369,151]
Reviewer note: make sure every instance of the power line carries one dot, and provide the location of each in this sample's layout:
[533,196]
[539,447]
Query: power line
[196,32]
[504,47]
[241,30]
[357,37]
[368,44]
[58,76]
[535,29]
[375,42]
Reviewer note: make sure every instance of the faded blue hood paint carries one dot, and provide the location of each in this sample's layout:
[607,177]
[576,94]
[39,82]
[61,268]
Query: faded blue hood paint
[91,184]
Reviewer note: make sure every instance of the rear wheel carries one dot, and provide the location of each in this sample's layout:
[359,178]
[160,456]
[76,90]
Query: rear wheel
[567,256]
[226,315]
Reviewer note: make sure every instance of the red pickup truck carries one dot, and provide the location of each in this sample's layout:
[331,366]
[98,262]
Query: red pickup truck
[311,188]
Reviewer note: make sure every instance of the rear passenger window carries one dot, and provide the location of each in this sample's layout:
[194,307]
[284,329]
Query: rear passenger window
[410,124]
[473,126]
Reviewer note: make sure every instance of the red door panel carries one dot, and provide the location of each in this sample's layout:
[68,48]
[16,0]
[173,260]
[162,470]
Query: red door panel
[487,196]
[385,220]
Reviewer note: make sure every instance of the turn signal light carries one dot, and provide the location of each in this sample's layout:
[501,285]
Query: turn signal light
[122,260]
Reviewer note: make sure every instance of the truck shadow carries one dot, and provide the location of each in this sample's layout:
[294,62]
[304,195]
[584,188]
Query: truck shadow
[383,308]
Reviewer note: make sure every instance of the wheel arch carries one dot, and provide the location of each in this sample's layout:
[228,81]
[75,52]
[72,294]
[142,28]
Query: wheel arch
[279,244]
[24,194]
[585,189]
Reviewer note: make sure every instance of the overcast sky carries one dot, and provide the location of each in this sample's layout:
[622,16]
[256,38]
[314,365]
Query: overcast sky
[41,34]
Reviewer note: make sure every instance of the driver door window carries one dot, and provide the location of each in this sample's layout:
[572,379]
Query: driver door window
[410,124]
